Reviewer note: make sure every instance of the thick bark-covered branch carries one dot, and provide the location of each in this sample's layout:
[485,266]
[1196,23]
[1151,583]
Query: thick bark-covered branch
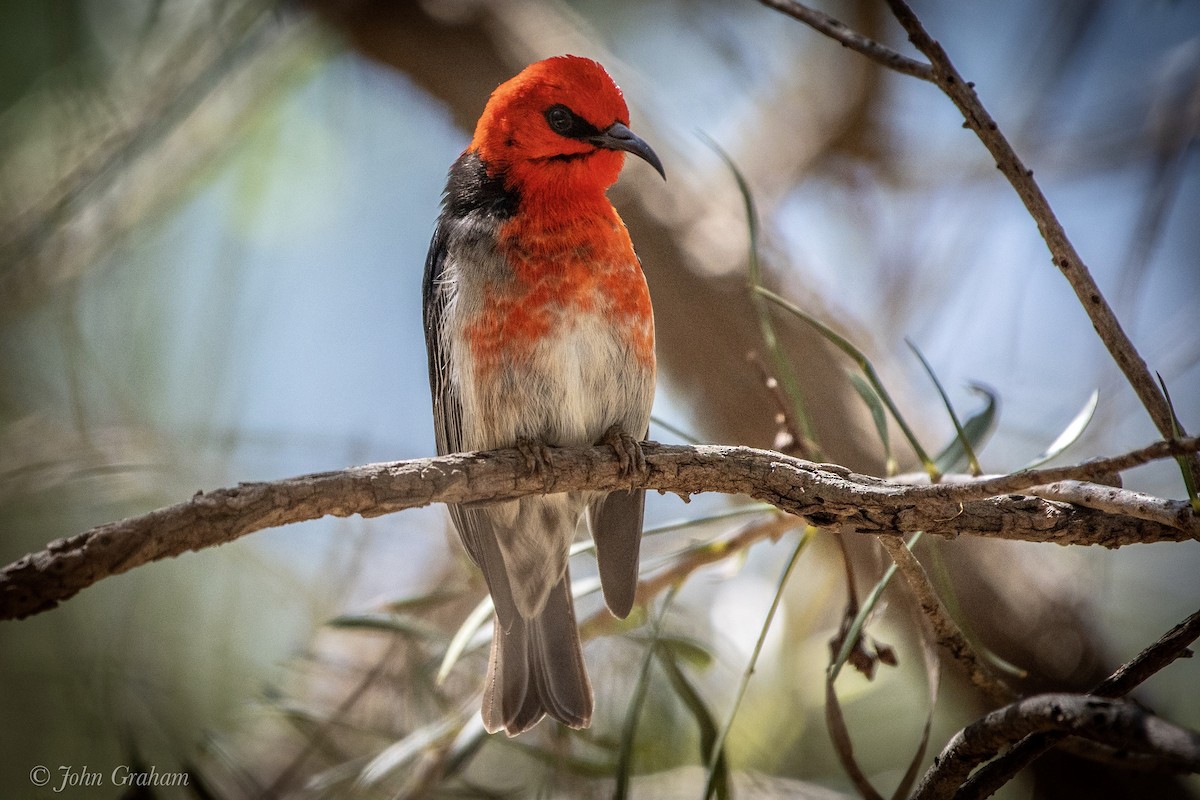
[824,494]
[1118,723]
[988,779]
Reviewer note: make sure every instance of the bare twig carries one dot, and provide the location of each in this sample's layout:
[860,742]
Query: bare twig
[1110,498]
[1096,469]
[947,633]
[942,72]
[1120,347]
[826,495]
[1173,645]
[836,30]
[1114,722]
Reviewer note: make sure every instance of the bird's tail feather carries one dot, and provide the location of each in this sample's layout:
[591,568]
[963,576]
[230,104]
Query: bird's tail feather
[537,668]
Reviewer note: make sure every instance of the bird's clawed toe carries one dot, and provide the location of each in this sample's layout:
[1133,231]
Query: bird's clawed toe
[628,451]
[537,456]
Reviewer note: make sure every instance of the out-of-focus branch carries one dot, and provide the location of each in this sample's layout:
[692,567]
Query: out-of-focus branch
[835,29]
[1173,645]
[1113,722]
[824,494]
[947,633]
[681,568]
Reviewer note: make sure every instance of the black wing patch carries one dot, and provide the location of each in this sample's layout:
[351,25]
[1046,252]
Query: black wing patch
[474,201]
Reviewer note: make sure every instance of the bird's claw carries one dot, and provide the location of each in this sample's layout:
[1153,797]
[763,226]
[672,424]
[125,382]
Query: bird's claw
[536,455]
[628,451]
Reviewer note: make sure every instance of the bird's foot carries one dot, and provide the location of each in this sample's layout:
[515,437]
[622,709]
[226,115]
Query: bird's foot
[628,451]
[537,457]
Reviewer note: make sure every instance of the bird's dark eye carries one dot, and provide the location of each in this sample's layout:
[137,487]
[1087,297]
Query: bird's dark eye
[561,119]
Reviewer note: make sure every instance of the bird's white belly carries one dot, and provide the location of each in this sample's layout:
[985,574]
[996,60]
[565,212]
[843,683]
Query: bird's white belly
[576,383]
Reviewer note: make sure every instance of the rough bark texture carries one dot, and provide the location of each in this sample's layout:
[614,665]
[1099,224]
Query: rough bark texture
[826,495]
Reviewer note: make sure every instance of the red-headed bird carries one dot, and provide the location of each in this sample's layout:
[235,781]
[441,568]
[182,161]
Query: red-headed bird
[540,334]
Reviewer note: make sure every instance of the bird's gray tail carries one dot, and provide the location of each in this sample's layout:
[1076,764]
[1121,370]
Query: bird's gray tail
[536,668]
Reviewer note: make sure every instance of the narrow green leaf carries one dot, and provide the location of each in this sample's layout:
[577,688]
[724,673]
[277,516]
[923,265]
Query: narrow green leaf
[423,602]
[933,676]
[1189,480]
[718,747]
[839,733]
[705,721]
[683,648]
[394,623]
[783,368]
[878,416]
[629,730]
[868,369]
[961,446]
[400,753]
[977,427]
[463,636]
[949,597]
[854,632]
[574,764]
[1070,434]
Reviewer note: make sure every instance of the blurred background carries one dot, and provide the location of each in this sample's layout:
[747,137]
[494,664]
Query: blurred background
[213,222]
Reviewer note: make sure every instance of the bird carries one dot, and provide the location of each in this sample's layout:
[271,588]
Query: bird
[540,334]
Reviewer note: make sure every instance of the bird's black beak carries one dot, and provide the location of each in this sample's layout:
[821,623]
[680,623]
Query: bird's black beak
[618,137]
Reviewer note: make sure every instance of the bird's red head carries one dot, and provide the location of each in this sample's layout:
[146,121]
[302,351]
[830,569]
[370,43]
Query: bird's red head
[559,127]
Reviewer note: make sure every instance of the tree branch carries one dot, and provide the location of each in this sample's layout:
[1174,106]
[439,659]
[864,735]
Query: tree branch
[824,494]
[835,29]
[1062,251]
[942,72]
[1114,722]
[1173,645]
[947,633]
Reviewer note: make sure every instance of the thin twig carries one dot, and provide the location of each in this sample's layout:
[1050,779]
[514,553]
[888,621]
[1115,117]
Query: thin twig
[945,630]
[1065,257]
[827,496]
[837,30]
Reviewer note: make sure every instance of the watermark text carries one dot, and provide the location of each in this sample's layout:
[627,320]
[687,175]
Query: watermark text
[64,778]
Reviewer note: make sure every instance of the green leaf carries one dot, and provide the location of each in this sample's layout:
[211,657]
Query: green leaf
[783,368]
[945,589]
[683,648]
[868,369]
[465,638]
[961,447]
[1070,434]
[394,623]
[1189,480]
[400,753]
[854,632]
[716,754]
[933,676]
[705,721]
[574,764]
[878,416]
[629,730]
